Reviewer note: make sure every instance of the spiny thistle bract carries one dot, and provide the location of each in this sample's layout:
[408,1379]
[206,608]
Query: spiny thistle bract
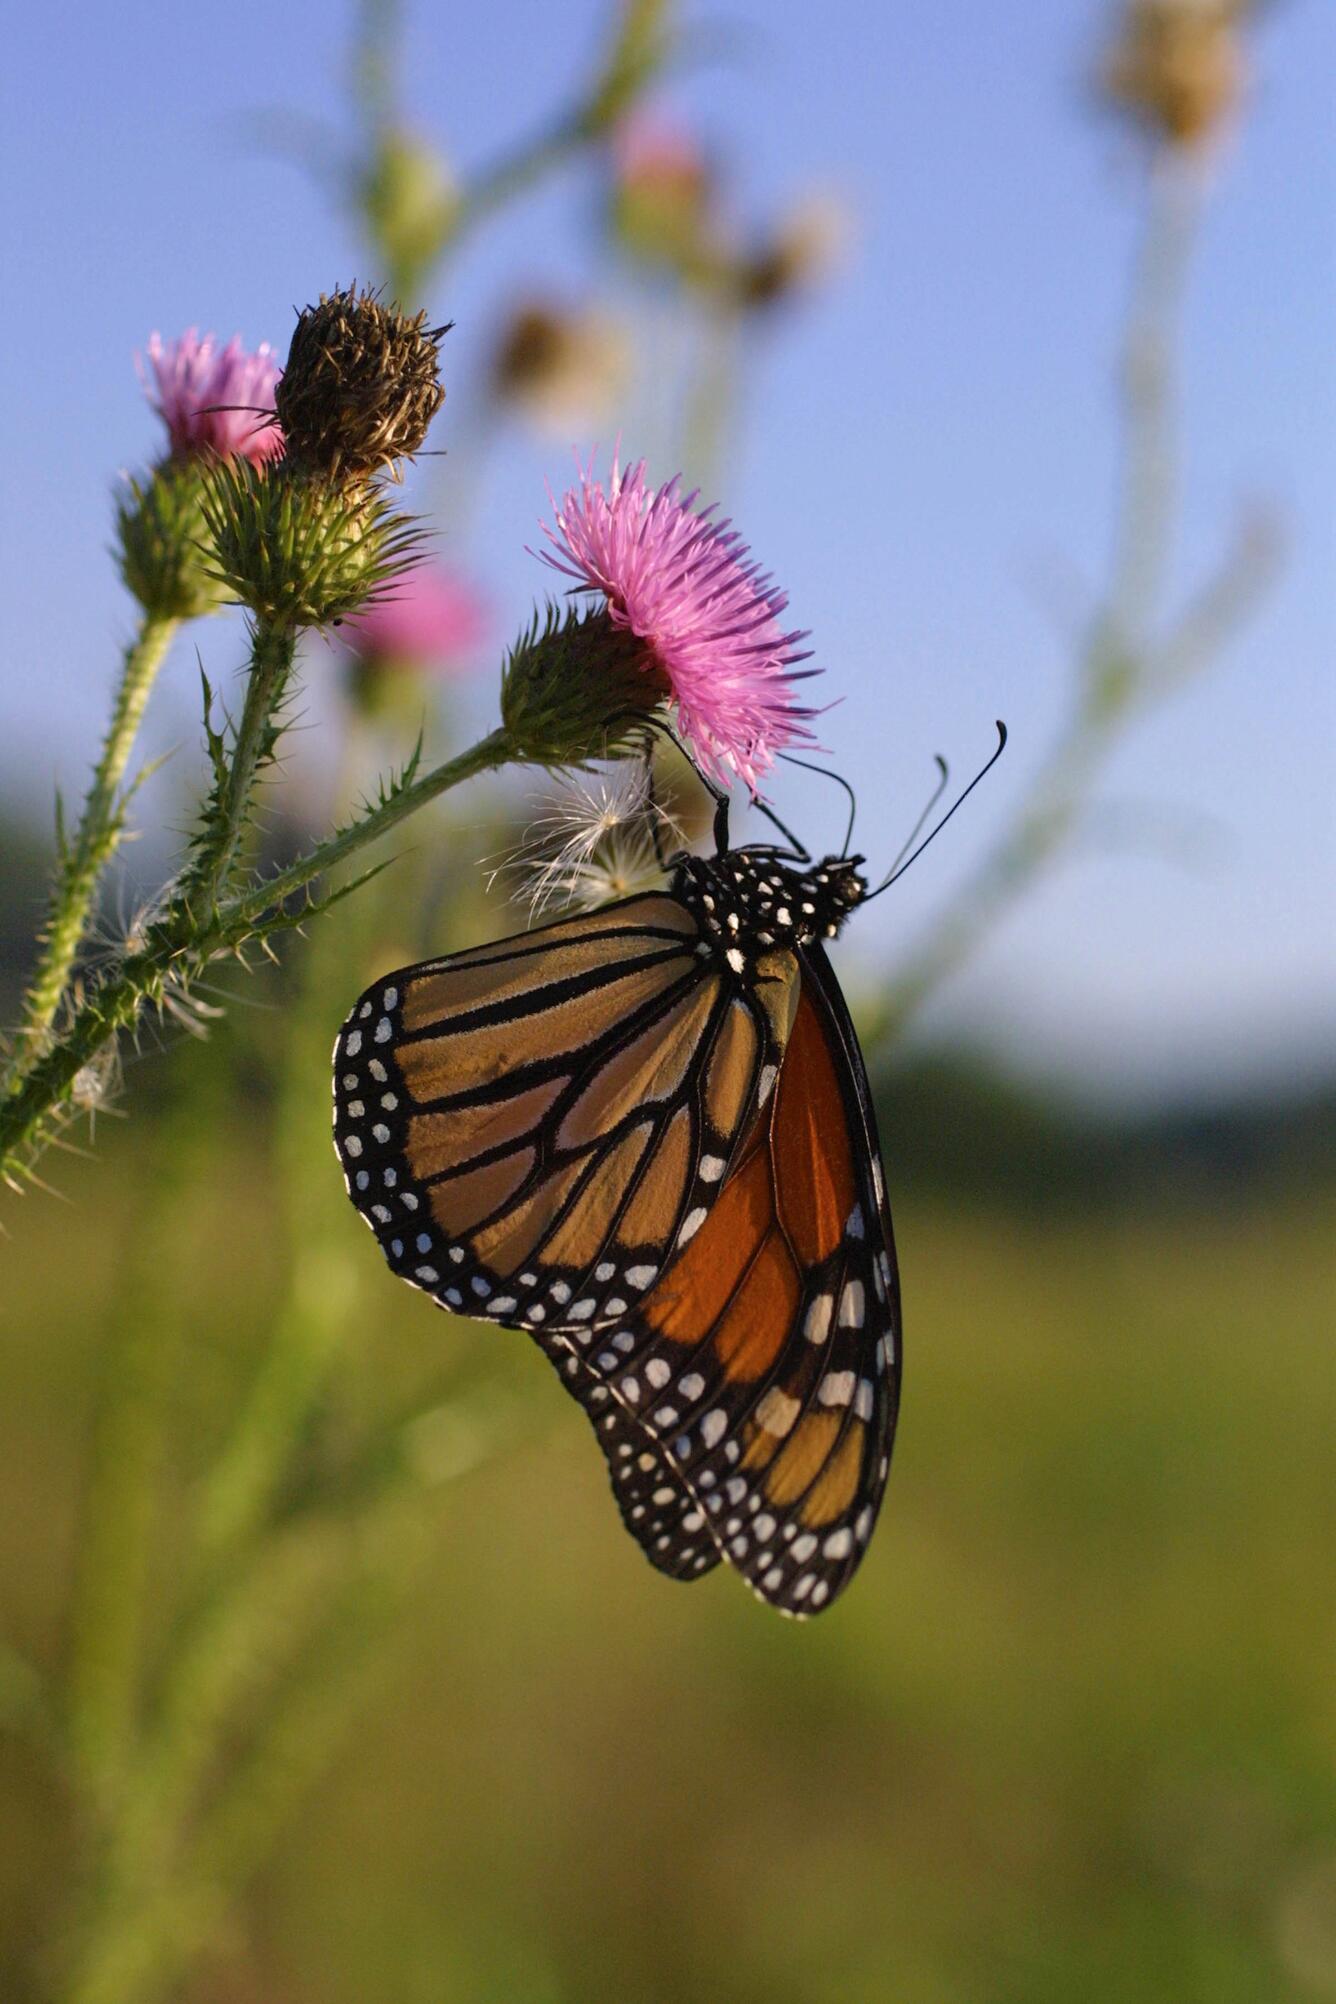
[575,685]
[160,534]
[299,552]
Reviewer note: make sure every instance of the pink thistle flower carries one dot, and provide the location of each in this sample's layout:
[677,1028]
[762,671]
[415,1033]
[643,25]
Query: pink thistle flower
[428,617]
[212,400]
[709,617]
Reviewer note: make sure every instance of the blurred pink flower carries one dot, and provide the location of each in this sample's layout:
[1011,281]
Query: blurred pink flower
[652,148]
[428,618]
[710,618]
[213,400]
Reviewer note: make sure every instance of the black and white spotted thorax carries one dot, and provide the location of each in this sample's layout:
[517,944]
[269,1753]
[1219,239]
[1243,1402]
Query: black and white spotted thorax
[747,902]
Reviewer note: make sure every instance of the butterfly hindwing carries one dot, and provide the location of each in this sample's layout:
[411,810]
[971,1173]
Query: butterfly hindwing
[659,1512]
[763,1367]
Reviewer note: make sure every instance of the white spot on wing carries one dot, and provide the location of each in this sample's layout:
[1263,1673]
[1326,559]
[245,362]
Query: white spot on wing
[816,1323]
[836,1388]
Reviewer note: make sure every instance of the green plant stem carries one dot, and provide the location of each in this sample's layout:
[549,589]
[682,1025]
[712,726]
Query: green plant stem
[185,939]
[320,1289]
[85,857]
[25,1702]
[275,1667]
[272,651]
[144,1330]
[490,752]
[1143,543]
[712,399]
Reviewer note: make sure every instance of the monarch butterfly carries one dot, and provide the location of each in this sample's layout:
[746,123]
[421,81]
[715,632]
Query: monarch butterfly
[645,1136]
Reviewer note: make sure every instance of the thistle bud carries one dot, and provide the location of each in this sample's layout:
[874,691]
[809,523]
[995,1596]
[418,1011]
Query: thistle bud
[574,687]
[360,387]
[307,541]
[159,532]
[663,195]
[412,206]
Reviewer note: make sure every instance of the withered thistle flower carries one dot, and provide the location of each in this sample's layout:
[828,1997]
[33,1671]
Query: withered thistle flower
[801,252]
[1178,67]
[360,386]
[560,367]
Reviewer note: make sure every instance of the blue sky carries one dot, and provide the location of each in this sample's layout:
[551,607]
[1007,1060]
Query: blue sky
[923,444]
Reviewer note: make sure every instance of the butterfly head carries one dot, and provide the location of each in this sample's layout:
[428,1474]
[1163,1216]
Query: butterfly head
[748,902]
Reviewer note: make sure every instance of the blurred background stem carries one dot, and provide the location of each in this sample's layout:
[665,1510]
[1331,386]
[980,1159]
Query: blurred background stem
[122,1498]
[320,1281]
[1118,668]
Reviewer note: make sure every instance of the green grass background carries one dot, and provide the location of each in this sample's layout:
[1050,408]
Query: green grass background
[1068,1737]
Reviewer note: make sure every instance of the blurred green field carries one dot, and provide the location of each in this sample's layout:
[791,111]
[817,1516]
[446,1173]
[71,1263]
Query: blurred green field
[1069,1735]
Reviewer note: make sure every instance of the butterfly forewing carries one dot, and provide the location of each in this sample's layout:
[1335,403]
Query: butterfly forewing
[529,1127]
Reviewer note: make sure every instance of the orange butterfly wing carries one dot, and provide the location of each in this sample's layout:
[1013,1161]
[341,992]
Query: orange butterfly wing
[762,1371]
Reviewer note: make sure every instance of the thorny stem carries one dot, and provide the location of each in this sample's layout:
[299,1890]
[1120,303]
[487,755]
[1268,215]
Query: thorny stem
[320,1287]
[185,938]
[490,752]
[90,849]
[272,652]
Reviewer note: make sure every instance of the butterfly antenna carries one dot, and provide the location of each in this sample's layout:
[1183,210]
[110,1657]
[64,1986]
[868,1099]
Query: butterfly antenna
[824,772]
[943,775]
[898,868]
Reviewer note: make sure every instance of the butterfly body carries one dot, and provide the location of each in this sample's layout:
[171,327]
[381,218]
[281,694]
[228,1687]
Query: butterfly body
[644,1135]
[749,901]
